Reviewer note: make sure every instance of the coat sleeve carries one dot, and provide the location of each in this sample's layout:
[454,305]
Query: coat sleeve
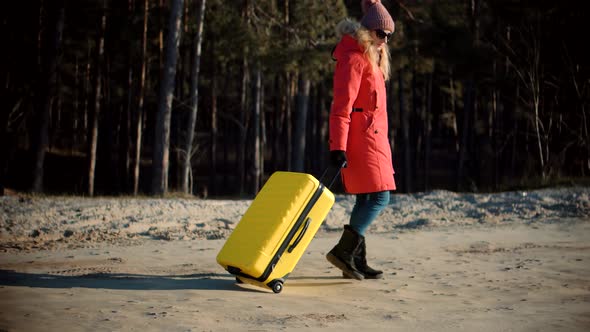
[347,80]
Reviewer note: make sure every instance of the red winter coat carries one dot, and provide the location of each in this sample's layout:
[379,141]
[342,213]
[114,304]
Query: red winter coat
[362,134]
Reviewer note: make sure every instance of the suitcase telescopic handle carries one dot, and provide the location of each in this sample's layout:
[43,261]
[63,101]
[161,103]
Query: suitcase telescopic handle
[300,236]
[331,173]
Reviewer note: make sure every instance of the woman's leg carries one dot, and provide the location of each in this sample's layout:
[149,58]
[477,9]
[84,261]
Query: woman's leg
[349,254]
[366,209]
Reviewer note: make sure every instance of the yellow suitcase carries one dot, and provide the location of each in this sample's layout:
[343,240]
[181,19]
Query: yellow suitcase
[276,229]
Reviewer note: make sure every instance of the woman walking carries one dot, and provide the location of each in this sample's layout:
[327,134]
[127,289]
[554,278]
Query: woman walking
[358,131]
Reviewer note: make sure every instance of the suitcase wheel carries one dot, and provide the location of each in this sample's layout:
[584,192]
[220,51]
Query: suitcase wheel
[276,286]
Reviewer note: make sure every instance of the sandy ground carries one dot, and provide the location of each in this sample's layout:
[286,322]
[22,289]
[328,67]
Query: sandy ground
[502,262]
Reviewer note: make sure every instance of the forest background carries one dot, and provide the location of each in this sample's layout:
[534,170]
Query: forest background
[209,97]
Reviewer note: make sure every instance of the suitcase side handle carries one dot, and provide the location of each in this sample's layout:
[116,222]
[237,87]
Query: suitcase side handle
[300,236]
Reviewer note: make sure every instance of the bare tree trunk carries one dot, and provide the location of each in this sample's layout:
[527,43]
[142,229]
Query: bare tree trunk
[126,116]
[283,118]
[323,121]
[124,140]
[536,101]
[515,130]
[106,168]
[532,78]
[160,161]
[289,119]
[4,145]
[97,99]
[465,128]
[87,93]
[192,121]
[405,126]
[138,119]
[428,133]
[47,90]
[243,133]
[76,103]
[214,129]
[454,107]
[390,87]
[179,117]
[312,140]
[288,94]
[263,139]
[278,123]
[256,171]
[300,124]
[417,131]
[496,130]
[40,38]
[162,23]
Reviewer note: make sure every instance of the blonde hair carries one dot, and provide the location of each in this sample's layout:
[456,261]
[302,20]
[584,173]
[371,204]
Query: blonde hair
[379,58]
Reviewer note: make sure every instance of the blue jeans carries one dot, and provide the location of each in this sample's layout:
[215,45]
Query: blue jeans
[366,209]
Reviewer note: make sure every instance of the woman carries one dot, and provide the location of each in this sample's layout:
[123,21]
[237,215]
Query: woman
[358,131]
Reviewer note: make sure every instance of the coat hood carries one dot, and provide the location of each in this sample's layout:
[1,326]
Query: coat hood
[346,29]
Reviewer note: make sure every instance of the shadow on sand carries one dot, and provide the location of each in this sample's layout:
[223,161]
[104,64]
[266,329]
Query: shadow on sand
[123,281]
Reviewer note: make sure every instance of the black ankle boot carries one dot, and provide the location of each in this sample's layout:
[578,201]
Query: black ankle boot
[360,261]
[342,256]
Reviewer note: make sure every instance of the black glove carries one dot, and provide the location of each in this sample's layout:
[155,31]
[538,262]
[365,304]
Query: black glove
[338,159]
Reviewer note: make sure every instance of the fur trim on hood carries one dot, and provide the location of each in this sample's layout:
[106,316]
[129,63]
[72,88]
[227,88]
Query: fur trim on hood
[347,26]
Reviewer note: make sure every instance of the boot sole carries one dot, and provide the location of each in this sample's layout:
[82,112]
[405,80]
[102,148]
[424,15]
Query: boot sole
[342,266]
[378,276]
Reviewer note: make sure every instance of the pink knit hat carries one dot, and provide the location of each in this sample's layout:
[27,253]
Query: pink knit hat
[376,16]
